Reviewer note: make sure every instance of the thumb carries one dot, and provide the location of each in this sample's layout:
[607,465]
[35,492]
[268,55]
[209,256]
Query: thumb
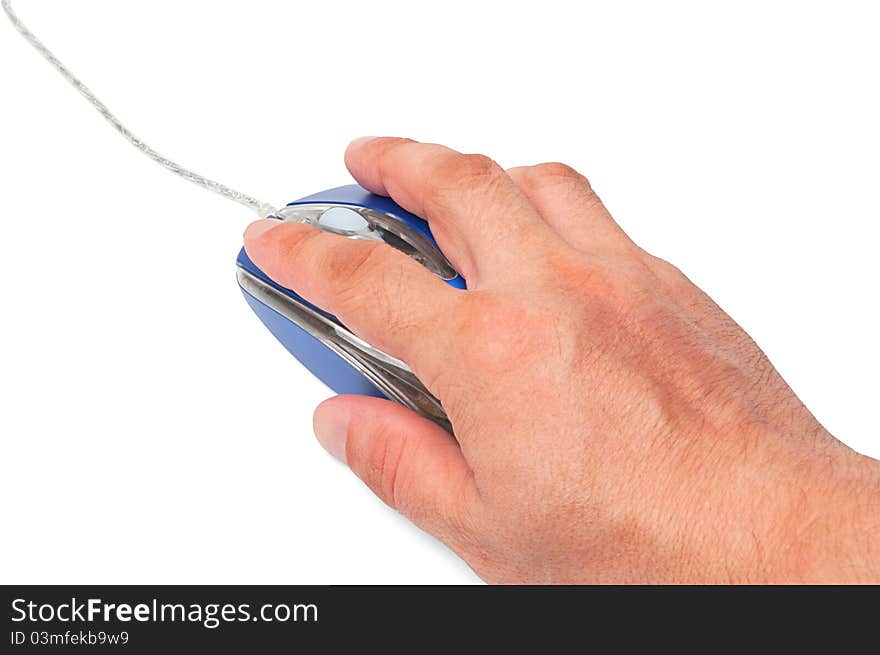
[412,464]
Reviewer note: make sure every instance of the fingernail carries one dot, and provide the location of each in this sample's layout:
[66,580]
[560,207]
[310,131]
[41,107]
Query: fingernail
[260,227]
[361,140]
[331,428]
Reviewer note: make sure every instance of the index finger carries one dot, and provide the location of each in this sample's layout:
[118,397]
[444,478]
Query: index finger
[382,295]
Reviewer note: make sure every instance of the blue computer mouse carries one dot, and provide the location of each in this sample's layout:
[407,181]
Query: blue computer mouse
[344,362]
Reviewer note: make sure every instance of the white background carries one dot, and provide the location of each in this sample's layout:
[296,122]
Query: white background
[153,431]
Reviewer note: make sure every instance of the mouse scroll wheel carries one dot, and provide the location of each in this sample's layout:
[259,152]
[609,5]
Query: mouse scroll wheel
[344,219]
[370,225]
[349,221]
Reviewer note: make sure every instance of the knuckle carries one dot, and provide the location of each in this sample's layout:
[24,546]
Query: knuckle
[665,270]
[288,242]
[384,151]
[389,472]
[671,280]
[374,284]
[558,176]
[475,166]
[389,143]
[351,269]
[382,465]
[556,171]
[458,172]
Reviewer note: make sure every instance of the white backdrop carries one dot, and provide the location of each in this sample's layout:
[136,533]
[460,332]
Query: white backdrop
[153,431]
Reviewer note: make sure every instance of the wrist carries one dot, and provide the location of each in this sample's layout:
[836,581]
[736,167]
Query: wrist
[795,511]
[832,531]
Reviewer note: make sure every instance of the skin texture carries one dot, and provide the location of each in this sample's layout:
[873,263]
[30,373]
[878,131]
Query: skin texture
[612,423]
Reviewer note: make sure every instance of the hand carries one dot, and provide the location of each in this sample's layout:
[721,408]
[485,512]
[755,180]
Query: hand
[612,424]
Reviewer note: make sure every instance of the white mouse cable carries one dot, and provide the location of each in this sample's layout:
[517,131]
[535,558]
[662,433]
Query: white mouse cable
[262,208]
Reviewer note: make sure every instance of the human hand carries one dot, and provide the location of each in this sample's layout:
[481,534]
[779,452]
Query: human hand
[613,424]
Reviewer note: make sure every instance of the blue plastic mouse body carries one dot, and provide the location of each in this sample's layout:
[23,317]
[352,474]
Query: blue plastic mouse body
[316,338]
